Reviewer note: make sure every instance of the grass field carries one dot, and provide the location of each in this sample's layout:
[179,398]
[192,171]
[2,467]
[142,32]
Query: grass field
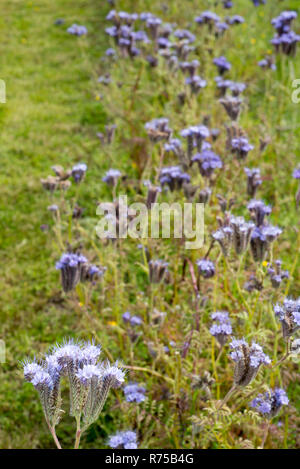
[54,109]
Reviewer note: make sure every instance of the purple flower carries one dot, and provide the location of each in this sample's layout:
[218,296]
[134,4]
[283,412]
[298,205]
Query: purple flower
[222,64]
[253,180]
[70,265]
[173,177]
[78,171]
[112,176]
[270,403]
[123,440]
[77,30]
[248,359]
[288,314]
[206,268]
[241,147]
[134,393]
[208,162]
[296,173]
[221,328]
[258,210]
[235,19]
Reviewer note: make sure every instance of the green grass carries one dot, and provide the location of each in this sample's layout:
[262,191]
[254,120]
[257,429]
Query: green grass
[54,109]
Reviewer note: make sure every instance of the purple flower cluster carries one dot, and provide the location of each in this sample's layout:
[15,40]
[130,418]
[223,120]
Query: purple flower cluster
[206,268]
[270,403]
[208,162]
[276,274]
[77,30]
[123,440]
[247,360]
[285,39]
[288,314]
[132,320]
[221,329]
[173,177]
[134,393]
[222,64]
[241,147]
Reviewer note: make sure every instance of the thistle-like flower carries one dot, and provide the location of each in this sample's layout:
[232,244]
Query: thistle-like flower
[247,360]
[288,314]
[89,381]
[270,403]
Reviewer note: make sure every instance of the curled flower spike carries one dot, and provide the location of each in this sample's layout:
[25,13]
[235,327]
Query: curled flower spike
[253,180]
[288,314]
[89,381]
[258,210]
[224,237]
[70,265]
[242,231]
[276,274]
[270,403]
[261,239]
[232,106]
[247,360]
[157,270]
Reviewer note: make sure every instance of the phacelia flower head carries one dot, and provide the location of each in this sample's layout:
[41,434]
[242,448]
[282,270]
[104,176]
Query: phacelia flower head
[232,106]
[208,162]
[241,147]
[270,403]
[123,440]
[78,172]
[258,210]
[261,238]
[206,268]
[77,30]
[253,180]
[134,393]
[224,236]
[158,269]
[276,274]
[112,176]
[288,314]
[221,328]
[296,173]
[242,231]
[173,177]
[158,129]
[70,265]
[247,360]
[222,64]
